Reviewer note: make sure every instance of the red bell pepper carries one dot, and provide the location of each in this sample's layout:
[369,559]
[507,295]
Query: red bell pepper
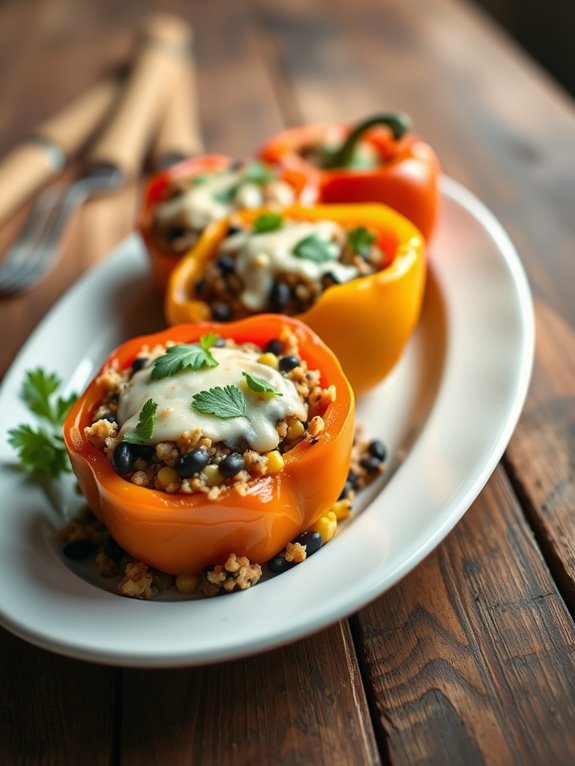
[379,160]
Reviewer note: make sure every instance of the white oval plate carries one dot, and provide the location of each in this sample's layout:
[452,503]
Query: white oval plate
[446,414]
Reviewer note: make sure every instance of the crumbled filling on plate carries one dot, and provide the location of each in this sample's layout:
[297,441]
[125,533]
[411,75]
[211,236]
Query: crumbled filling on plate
[86,537]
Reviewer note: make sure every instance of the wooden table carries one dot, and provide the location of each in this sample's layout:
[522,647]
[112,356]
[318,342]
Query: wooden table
[470,659]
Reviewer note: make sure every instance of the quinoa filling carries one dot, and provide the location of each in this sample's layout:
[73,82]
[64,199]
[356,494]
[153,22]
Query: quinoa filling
[208,417]
[193,203]
[283,266]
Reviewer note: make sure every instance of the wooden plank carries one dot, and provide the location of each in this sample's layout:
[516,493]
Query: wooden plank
[302,704]
[53,710]
[471,658]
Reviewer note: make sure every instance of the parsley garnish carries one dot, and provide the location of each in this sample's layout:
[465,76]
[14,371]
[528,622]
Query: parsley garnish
[146,424]
[361,240]
[41,450]
[268,222]
[227,196]
[258,173]
[186,356]
[314,248]
[223,402]
[259,385]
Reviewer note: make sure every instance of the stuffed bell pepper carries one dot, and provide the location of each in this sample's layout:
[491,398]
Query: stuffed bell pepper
[354,273]
[182,200]
[201,442]
[378,160]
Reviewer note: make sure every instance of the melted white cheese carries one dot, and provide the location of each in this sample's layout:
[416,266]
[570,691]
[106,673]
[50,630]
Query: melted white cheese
[197,207]
[261,256]
[173,396]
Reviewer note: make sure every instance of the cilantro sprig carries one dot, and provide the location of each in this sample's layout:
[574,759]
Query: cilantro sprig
[146,423]
[221,401]
[361,240]
[314,248]
[186,356]
[267,222]
[260,385]
[40,448]
[258,173]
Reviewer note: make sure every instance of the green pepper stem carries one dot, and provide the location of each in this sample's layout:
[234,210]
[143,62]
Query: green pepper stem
[399,123]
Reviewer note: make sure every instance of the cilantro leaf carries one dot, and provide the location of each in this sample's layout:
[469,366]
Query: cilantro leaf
[268,222]
[208,340]
[146,424]
[184,356]
[37,390]
[199,180]
[41,453]
[361,240]
[258,173]
[259,385]
[223,402]
[227,196]
[314,248]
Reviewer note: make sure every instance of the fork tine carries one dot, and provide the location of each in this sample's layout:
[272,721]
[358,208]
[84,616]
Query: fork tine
[36,248]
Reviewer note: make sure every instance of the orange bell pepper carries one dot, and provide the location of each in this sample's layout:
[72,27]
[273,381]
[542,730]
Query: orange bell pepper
[183,533]
[404,172]
[163,260]
[367,321]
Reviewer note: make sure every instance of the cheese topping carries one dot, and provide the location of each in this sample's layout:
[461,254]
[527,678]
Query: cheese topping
[174,395]
[261,256]
[199,206]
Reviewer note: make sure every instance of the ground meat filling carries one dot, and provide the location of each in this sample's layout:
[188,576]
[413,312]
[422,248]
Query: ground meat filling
[283,266]
[192,203]
[195,460]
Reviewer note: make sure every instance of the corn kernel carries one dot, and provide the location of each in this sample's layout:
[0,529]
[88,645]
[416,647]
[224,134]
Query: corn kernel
[275,461]
[326,527]
[167,476]
[331,515]
[295,430]
[269,359]
[188,584]
[213,475]
[341,509]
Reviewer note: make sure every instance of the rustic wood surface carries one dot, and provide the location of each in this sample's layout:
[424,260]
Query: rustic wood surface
[470,659]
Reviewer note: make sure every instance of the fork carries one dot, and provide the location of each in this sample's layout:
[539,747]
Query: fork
[116,156]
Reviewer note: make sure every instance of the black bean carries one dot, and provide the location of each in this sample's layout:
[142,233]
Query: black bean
[233,230]
[226,264]
[329,278]
[287,363]
[370,464]
[109,416]
[274,346]
[143,451]
[311,540]
[192,462]
[175,232]
[139,363]
[231,465]
[200,286]
[79,549]
[347,489]
[352,478]
[279,565]
[280,295]
[122,458]
[221,312]
[113,550]
[377,449]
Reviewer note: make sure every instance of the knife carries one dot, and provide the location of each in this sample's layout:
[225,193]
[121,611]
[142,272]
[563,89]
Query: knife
[116,156]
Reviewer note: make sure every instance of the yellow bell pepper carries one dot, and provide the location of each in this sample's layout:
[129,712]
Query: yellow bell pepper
[366,321]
